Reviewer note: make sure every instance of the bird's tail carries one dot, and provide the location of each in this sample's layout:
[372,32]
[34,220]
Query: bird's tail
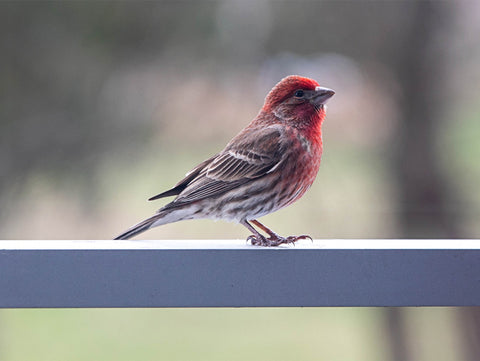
[148,223]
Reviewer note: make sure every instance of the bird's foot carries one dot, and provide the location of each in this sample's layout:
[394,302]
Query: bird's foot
[275,240]
[278,240]
[258,240]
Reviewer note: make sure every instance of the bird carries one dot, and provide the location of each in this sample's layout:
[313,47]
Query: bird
[269,165]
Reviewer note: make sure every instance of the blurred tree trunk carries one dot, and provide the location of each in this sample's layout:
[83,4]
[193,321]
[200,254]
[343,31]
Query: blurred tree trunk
[469,322]
[395,322]
[423,192]
[422,187]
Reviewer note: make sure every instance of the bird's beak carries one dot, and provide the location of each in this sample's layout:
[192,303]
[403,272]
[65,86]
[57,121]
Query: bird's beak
[321,95]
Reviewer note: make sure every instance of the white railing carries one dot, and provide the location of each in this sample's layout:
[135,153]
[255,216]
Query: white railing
[230,273]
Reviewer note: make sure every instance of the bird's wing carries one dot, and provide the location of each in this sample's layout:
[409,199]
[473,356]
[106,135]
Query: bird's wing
[180,186]
[252,154]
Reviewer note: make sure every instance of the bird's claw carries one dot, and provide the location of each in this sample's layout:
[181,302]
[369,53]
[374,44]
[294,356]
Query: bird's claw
[297,238]
[258,240]
[275,240]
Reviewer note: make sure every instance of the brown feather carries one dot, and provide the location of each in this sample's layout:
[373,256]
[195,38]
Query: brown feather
[180,186]
[252,154]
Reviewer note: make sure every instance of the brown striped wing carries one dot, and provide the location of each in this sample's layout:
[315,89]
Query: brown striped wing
[252,154]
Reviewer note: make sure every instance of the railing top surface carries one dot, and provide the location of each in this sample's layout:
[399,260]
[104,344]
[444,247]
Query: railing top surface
[233,244]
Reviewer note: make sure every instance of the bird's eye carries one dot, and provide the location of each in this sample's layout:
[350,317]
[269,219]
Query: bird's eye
[299,94]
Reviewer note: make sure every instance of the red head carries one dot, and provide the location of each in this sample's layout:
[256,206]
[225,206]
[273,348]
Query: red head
[297,100]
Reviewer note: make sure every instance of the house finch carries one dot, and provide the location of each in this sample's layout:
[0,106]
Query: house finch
[270,164]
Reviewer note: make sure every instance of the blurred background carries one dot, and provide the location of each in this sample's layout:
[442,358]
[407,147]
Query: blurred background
[104,104]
